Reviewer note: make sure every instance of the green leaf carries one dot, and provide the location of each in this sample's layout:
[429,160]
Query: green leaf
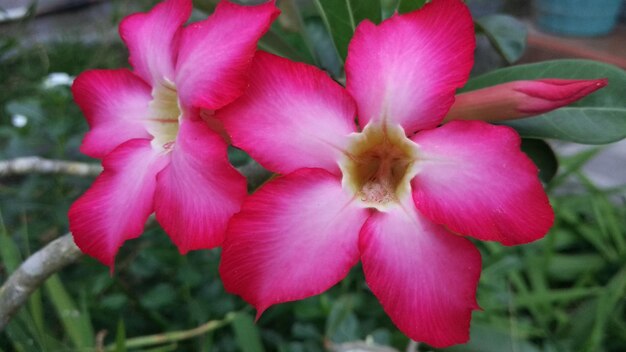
[120,337]
[274,42]
[76,324]
[405,6]
[324,48]
[506,33]
[341,18]
[580,125]
[293,13]
[341,324]
[487,338]
[598,119]
[11,257]
[247,333]
[543,156]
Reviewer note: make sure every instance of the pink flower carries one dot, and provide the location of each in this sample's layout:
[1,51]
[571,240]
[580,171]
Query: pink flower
[158,154]
[378,192]
[517,99]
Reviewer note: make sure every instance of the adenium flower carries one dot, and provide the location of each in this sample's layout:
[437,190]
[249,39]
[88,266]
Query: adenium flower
[146,124]
[518,99]
[395,190]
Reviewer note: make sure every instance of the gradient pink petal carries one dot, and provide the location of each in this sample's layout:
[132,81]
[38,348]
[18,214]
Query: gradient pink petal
[294,238]
[115,104]
[517,99]
[406,69]
[118,203]
[292,116]
[476,181]
[199,190]
[152,39]
[215,54]
[424,277]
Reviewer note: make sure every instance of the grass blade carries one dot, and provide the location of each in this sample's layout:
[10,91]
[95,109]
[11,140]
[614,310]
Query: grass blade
[76,324]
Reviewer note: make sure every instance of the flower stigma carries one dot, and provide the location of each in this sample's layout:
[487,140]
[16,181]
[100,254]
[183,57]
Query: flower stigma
[378,166]
[165,114]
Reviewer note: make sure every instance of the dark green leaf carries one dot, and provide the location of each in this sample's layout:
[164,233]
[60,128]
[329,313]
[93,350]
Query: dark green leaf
[294,15]
[542,155]
[274,43]
[405,6]
[247,333]
[506,33]
[341,18]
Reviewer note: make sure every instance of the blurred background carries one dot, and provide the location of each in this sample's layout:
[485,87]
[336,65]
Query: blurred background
[566,292]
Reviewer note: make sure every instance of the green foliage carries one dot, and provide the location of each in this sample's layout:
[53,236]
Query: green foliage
[342,17]
[247,333]
[76,324]
[120,337]
[543,156]
[506,33]
[579,125]
[405,6]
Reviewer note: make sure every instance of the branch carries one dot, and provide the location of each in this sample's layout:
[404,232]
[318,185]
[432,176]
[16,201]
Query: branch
[254,172]
[35,164]
[33,272]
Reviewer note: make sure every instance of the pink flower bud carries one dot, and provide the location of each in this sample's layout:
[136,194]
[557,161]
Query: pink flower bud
[514,100]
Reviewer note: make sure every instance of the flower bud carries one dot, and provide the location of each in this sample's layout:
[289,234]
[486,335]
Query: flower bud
[517,99]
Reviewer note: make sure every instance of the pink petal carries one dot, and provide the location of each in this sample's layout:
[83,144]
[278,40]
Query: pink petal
[424,277]
[119,202]
[292,116]
[115,104]
[406,69]
[199,190]
[215,54]
[476,181]
[517,99]
[152,39]
[294,238]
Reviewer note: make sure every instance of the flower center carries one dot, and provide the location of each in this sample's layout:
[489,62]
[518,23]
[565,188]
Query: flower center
[378,166]
[165,115]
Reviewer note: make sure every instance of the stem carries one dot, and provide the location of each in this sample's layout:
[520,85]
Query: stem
[174,336]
